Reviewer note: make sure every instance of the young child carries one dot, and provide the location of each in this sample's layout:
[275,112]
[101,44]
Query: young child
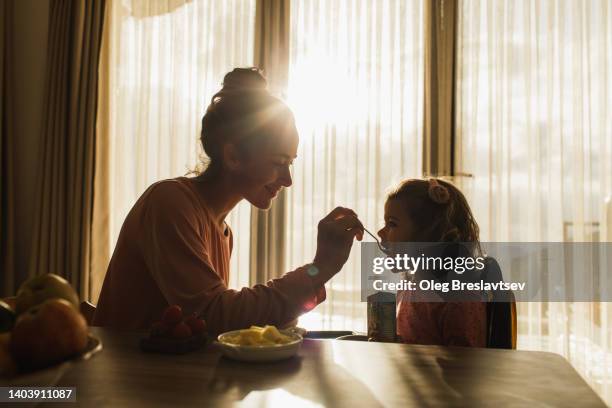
[434,211]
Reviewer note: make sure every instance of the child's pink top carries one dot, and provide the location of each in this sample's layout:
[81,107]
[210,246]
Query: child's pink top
[440,323]
[171,251]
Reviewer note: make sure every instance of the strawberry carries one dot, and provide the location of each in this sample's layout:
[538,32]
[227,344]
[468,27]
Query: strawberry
[172,315]
[181,331]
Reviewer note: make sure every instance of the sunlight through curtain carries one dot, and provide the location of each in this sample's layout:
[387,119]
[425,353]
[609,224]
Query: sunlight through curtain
[356,87]
[165,61]
[535,129]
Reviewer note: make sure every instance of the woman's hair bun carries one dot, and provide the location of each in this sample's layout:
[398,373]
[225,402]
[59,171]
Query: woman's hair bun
[244,79]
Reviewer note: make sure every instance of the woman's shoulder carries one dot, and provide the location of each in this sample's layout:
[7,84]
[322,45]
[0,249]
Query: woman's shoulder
[173,189]
[171,195]
[178,185]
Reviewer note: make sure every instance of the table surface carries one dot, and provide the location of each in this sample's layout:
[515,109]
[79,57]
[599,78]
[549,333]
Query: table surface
[326,373]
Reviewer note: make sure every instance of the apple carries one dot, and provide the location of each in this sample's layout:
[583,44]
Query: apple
[36,290]
[172,316]
[181,331]
[48,333]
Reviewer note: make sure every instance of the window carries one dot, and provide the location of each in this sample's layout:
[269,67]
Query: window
[167,59]
[355,85]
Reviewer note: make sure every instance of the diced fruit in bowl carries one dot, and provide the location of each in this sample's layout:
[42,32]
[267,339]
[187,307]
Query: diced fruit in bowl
[175,333]
[260,344]
[258,336]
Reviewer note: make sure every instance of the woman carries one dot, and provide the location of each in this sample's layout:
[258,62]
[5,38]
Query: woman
[174,246]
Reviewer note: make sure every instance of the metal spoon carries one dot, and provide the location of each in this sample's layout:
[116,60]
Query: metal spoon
[380,245]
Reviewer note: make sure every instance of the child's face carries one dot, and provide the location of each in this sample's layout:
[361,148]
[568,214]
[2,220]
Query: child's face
[398,226]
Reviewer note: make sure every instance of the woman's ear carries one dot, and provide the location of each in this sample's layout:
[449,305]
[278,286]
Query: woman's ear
[231,157]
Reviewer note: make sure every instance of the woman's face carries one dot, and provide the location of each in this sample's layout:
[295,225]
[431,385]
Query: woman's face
[398,226]
[268,169]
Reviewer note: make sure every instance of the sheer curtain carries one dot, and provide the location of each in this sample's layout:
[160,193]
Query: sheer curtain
[534,127]
[356,87]
[163,62]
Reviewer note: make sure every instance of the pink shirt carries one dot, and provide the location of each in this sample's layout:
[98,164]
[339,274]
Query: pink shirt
[171,251]
[440,323]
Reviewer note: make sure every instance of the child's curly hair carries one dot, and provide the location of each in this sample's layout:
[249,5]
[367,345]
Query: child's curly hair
[439,211]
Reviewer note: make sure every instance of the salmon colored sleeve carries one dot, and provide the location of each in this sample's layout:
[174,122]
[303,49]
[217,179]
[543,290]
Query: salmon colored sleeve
[179,260]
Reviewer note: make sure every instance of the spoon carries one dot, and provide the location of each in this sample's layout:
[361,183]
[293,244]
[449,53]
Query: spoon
[380,245]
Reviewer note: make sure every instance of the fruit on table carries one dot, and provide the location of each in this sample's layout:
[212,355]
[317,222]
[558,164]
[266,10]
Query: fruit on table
[48,333]
[7,317]
[37,290]
[174,325]
[172,315]
[258,336]
[196,324]
[181,331]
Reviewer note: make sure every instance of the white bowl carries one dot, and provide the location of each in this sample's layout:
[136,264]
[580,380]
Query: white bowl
[262,353]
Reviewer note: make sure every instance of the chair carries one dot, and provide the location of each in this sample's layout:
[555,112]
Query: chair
[501,312]
[88,310]
[501,324]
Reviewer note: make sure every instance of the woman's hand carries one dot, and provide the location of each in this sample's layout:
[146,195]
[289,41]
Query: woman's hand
[334,241]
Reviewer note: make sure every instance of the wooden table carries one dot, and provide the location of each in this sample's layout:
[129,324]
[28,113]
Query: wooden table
[327,373]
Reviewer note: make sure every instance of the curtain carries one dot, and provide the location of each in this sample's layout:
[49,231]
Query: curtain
[268,232]
[356,87]
[7,232]
[62,229]
[534,127]
[440,38]
[162,62]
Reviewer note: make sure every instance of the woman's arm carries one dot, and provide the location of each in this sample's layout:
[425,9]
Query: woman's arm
[179,259]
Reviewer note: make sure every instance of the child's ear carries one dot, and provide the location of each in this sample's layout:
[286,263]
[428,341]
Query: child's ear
[231,156]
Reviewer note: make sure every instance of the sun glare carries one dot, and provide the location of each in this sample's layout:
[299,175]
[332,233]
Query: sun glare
[321,92]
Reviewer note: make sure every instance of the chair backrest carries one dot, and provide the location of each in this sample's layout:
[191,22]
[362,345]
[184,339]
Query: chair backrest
[88,310]
[501,324]
[501,312]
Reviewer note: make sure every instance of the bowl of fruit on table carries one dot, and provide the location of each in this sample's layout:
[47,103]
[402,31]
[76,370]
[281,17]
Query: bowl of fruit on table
[260,344]
[176,333]
[42,331]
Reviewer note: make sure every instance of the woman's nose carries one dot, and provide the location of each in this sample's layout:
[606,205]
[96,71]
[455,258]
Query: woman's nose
[286,180]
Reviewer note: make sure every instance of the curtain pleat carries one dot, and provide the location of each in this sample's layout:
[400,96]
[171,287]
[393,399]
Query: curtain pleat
[62,230]
[101,211]
[268,228]
[440,19]
[7,190]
